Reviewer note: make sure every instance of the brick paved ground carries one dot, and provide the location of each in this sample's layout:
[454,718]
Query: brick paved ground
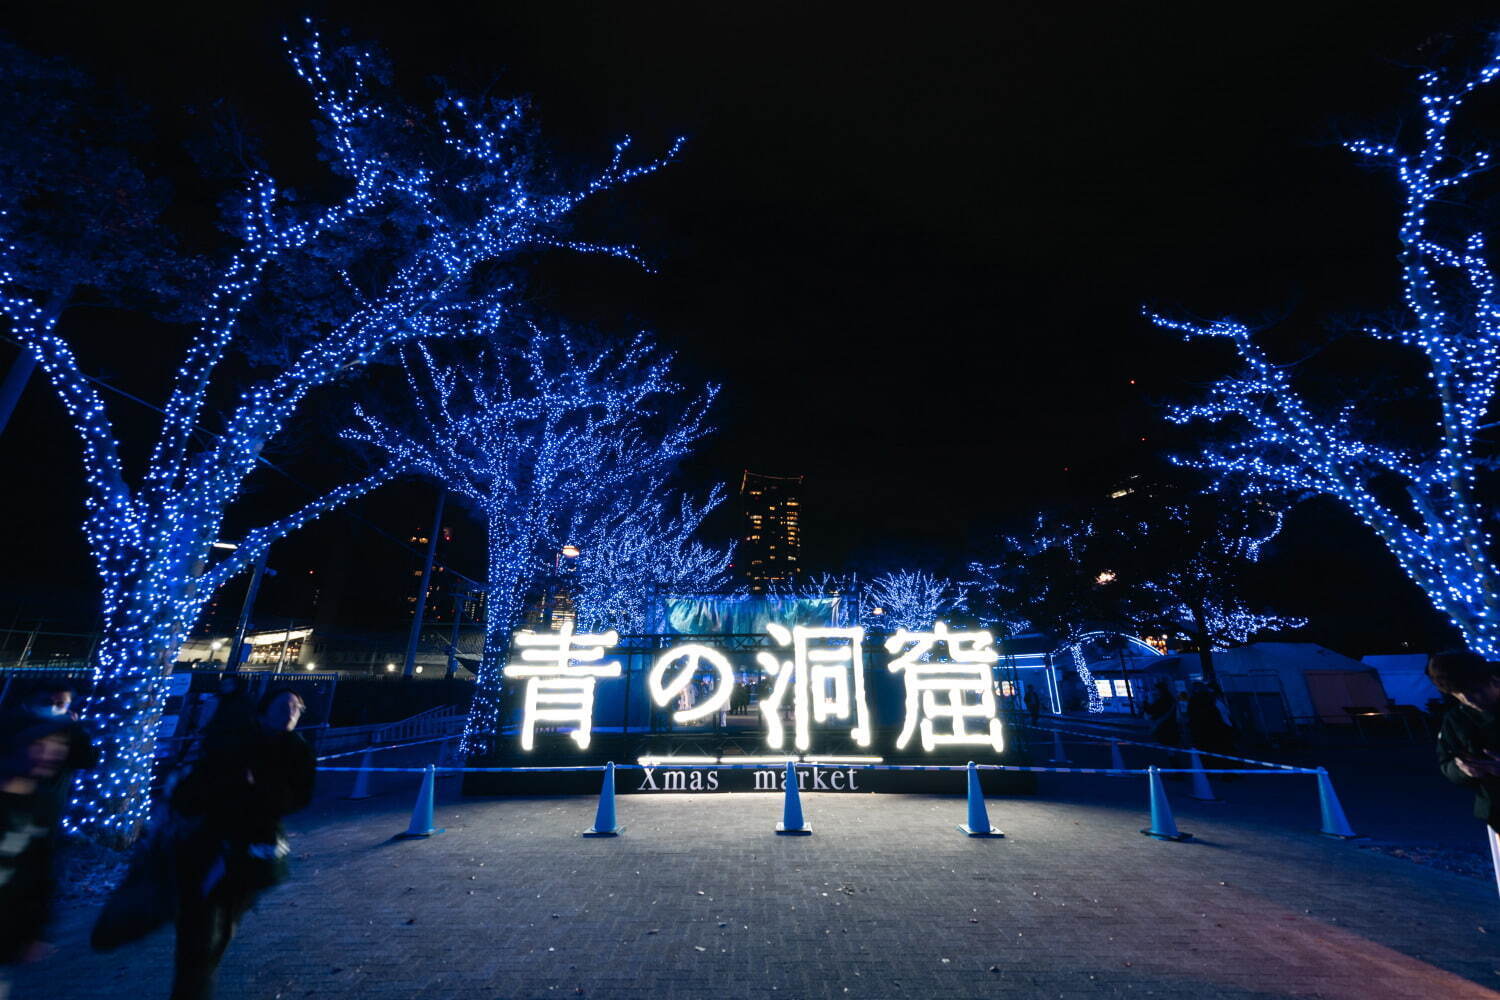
[886,899]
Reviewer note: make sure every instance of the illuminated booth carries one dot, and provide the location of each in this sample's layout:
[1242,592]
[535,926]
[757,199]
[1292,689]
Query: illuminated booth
[751,681]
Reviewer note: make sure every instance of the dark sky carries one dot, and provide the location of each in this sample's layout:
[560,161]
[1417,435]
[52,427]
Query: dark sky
[911,241]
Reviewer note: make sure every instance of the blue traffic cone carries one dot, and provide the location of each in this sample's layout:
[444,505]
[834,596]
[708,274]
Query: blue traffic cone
[791,816]
[1059,756]
[979,817]
[1163,826]
[1334,823]
[421,813]
[604,819]
[361,788]
[1116,760]
[1202,790]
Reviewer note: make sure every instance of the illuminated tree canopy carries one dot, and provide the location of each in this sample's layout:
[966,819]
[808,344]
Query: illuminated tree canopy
[539,440]
[1424,494]
[640,546]
[427,200]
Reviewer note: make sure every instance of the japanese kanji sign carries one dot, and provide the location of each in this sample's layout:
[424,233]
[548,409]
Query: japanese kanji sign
[813,679]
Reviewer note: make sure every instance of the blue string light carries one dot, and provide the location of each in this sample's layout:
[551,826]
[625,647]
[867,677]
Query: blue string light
[1433,520]
[540,441]
[911,599]
[466,201]
[638,548]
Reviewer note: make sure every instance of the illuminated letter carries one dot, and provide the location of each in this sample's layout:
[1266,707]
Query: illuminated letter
[663,694]
[937,690]
[560,677]
[826,678]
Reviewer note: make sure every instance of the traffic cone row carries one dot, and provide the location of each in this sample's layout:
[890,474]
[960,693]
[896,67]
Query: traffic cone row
[793,823]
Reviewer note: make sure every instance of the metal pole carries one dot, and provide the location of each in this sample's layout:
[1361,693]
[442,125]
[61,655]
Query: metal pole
[409,667]
[458,616]
[15,384]
[244,623]
[26,650]
[285,641]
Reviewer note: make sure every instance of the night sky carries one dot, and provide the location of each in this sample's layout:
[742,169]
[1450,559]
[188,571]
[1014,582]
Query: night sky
[912,246]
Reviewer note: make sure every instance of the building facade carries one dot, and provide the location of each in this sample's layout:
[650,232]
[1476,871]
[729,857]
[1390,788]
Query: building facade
[770,549]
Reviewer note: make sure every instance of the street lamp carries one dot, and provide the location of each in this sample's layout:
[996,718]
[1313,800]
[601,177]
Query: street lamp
[1105,576]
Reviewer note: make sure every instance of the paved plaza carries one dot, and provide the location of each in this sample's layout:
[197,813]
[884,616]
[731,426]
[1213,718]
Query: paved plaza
[700,899]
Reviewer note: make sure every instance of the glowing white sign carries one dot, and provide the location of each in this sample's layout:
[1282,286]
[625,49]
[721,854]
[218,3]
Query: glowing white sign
[560,677]
[663,694]
[966,672]
[825,679]
[819,663]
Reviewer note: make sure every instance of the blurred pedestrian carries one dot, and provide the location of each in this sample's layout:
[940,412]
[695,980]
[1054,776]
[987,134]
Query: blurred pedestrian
[248,778]
[1033,704]
[1161,710]
[30,760]
[1469,740]
[1207,727]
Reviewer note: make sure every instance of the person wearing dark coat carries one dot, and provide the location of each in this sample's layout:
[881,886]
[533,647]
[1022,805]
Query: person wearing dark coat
[52,703]
[30,759]
[249,777]
[1162,711]
[1033,704]
[1468,744]
[1206,726]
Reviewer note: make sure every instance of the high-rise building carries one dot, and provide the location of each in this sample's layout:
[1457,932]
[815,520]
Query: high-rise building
[770,549]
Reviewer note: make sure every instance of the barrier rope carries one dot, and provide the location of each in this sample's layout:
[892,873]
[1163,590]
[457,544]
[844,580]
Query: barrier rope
[393,746]
[1099,739]
[1134,772]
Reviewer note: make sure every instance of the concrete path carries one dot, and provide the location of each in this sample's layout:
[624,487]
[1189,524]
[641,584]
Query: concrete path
[699,899]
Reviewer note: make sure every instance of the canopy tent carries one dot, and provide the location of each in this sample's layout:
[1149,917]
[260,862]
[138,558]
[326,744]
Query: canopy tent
[1405,678]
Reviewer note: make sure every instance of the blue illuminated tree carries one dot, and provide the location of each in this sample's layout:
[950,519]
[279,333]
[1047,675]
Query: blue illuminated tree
[1188,577]
[538,439]
[640,546]
[454,185]
[1421,493]
[911,599]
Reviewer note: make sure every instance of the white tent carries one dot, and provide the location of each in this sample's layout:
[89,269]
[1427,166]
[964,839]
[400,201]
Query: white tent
[1315,682]
[1405,678]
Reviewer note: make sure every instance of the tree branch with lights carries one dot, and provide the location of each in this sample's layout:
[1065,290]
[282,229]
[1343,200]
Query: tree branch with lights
[1427,501]
[640,547]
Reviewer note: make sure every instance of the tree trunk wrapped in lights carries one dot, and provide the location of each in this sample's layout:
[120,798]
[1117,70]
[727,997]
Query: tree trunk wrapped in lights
[538,440]
[430,200]
[1422,499]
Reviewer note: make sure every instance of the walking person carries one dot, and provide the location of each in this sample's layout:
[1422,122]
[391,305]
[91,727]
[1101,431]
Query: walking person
[1468,744]
[1206,724]
[250,776]
[1033,704]
[31,759]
